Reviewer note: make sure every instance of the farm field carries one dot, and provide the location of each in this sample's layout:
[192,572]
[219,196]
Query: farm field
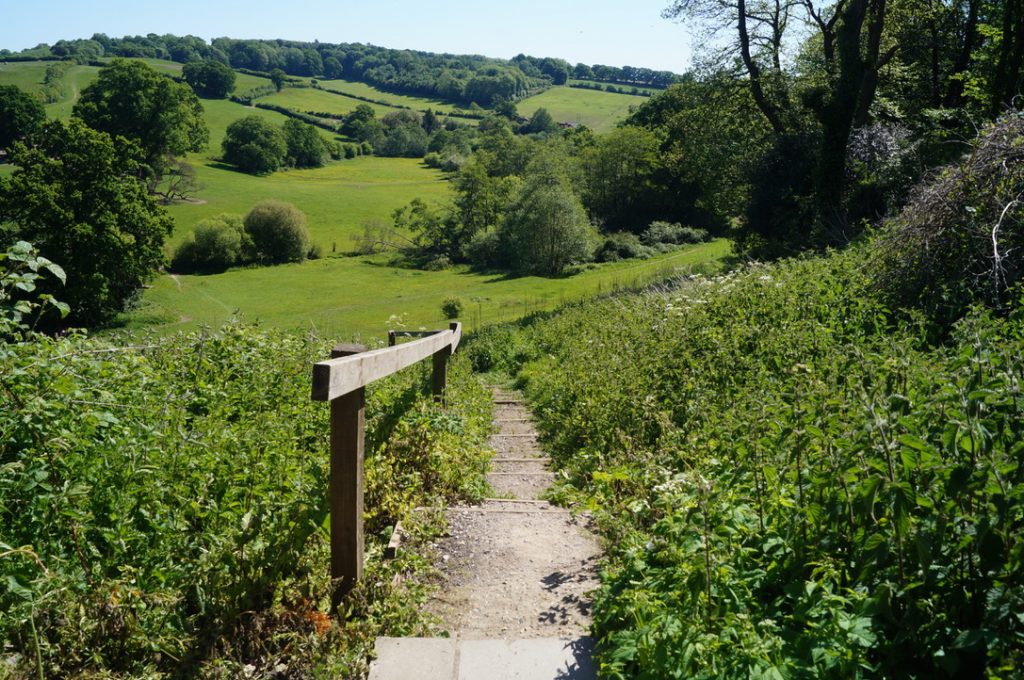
[337,199]
[602,85]
[599,111]
[362,297]
[311,100]
[360,89]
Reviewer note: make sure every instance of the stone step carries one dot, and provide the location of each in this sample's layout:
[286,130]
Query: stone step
[495,659]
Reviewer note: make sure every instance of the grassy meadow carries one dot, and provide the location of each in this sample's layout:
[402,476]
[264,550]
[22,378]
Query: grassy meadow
[640,88]
[360,89]
[310,100]
[349,296]
[362,297]
[599,111]
[338,199]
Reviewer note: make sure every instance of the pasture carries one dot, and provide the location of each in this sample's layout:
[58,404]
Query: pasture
[599,111]
[360,89]
[337,199]
[318,101]
[362,297]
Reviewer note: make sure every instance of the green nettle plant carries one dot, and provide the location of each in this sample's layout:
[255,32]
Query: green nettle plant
[793,482]
[164,507]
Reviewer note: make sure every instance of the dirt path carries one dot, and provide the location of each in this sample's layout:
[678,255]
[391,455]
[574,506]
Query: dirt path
[518,567]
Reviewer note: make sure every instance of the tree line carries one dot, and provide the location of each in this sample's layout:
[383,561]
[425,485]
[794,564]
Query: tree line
[464,79]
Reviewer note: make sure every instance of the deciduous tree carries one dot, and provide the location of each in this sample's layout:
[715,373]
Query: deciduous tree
[77,196]
[131,99]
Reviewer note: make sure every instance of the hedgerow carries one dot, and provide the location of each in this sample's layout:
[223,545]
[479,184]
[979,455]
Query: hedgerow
[792,481]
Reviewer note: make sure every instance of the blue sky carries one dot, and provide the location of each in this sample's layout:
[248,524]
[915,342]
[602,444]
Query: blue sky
[600,31]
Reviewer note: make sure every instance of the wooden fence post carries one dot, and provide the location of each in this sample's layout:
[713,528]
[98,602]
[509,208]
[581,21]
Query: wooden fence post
[440,377]
[346,484]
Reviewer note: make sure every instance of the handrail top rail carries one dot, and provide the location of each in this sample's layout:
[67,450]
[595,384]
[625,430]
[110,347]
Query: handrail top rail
[336,377]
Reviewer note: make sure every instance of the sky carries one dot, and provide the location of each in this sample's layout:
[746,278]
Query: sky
[614,33]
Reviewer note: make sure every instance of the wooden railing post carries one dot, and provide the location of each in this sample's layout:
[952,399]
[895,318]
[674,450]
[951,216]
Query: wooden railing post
[346,484]
[440,377]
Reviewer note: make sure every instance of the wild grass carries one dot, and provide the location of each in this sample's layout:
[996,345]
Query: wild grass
[362,297]
[599,111]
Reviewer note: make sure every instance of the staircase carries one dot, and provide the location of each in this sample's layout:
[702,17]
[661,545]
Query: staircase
[516,569]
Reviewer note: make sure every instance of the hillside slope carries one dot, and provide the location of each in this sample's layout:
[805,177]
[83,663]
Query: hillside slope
[792,480]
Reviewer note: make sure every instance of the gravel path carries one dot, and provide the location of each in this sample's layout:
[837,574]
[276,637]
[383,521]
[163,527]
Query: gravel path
[519,567]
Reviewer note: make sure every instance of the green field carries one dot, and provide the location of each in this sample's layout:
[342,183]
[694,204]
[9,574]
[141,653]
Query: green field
[362,297]
[360,89]
[310,100]
[337,199]
[599,111]
[602,85]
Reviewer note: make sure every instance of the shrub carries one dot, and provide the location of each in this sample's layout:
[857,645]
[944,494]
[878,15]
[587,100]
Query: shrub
[351,150]
[673,233]
[484,251]
[305,147]
[254,145]
[622,246]
[278,232]
[950,246]
[214,245]
[452,307]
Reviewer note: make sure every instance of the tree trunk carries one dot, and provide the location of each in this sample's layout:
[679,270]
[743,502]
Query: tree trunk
[955,93]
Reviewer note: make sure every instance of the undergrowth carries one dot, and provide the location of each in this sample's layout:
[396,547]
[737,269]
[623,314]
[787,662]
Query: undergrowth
[164,509]
[793,481]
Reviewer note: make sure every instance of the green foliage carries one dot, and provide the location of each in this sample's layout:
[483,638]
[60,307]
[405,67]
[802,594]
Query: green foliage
[209,78]
[452,307]
[164,506]
[546,228]
[214,244]
[254,145]
[710,136]
[278,232]
[541,122]
[952,245]
[21,115]
[306,149]
[790,483]
[132,99]
[668,233]
[76,196]
[622,246]
[20,268]
[278,77]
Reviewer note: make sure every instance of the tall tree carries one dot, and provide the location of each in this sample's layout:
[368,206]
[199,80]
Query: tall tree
[21,115]
[76,195]
[853,52]
[209,78]
[131,99]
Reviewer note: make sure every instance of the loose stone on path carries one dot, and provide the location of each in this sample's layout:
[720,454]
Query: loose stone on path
[516,572]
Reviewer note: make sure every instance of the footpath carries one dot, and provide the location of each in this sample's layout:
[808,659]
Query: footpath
[515,573]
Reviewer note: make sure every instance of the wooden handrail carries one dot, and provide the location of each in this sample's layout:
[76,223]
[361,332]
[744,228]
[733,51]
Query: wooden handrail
[337,377]
[341,381]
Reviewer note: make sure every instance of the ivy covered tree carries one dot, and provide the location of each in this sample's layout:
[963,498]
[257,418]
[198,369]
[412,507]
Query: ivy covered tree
[132,99]
[76,195]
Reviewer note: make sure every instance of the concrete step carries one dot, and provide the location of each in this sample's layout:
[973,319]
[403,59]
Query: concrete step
[458,659]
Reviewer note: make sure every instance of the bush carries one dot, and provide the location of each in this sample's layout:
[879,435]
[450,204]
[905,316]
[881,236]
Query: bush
[278,232]
[254,145]
[622,246]
[484,251]
[452,307]
[950,246]
[673,233]
[351,150]
[213,245]
[306,149]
